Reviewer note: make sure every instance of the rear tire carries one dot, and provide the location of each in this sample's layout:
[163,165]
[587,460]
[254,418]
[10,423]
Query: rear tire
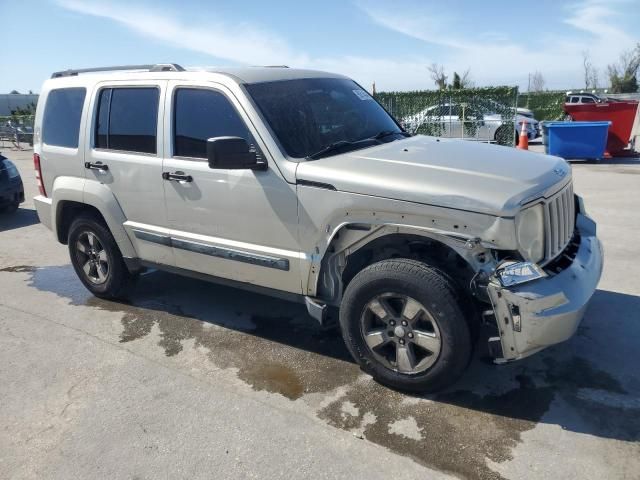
[96,258]
[402,322]
[502,137]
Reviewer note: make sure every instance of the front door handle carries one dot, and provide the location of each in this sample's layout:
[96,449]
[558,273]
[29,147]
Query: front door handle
[96,166]
[177,177]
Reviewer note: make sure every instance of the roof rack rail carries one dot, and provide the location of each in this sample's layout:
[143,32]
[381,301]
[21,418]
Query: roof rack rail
[158,67]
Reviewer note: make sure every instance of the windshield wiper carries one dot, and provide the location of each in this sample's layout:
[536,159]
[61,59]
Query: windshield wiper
[332,147]
[386,133]
[343,143]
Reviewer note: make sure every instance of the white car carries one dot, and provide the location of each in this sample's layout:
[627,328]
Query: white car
[582,98]
[453,120]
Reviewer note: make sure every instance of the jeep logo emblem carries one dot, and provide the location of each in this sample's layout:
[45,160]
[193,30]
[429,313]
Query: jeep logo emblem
[561,172]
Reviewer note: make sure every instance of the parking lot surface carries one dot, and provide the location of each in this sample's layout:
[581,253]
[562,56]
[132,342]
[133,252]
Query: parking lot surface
[191,380]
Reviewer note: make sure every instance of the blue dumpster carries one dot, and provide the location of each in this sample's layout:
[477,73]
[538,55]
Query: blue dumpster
[575,140]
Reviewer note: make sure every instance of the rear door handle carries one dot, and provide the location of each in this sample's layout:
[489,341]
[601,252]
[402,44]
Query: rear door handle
[177,177]
[96,166]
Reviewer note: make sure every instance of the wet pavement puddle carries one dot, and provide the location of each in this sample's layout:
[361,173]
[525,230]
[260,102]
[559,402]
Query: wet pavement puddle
[276,347]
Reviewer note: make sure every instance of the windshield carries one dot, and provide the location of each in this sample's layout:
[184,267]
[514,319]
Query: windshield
[308,115]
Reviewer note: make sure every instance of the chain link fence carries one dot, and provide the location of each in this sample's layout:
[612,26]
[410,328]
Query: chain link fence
[16,131]
[480,114]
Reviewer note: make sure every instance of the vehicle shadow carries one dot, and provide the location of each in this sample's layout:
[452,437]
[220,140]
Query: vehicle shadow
[159,294]
[589,384]
[609,161]
[23,217]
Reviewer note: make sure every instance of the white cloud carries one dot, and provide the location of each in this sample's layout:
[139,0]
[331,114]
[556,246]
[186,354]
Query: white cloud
[247,44]
[492,57]
[430,27]
[242,43]
[599,19]
[495,59]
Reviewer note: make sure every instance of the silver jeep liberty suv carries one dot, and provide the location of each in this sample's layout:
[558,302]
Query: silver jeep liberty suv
[298,184]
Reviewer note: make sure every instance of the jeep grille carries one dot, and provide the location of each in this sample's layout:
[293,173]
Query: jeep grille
[560,213]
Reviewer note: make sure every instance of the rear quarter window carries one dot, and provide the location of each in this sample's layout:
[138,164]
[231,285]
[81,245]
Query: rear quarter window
[62,114]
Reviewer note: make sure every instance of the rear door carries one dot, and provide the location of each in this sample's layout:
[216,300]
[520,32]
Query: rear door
[125,153]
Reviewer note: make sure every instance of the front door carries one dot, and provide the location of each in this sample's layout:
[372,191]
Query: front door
[234,224]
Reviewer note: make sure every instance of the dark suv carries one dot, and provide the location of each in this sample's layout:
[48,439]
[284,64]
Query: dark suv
[11,189]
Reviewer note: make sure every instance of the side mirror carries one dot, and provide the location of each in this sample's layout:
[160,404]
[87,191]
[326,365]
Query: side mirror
[232,153]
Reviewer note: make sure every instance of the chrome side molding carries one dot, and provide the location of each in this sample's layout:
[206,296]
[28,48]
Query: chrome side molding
[220,252]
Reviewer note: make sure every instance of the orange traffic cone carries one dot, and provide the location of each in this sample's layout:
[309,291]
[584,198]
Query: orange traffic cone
[523,144]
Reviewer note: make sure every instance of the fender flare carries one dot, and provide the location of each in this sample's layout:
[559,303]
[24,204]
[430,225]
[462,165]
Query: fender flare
[99,196]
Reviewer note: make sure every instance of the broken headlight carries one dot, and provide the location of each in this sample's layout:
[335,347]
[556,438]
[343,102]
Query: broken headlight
[514,273]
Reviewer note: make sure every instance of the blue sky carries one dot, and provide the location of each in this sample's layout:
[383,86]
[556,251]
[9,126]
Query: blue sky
[391,43]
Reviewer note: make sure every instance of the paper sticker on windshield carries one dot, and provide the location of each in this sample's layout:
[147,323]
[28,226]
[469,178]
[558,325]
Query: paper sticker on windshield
[361,94]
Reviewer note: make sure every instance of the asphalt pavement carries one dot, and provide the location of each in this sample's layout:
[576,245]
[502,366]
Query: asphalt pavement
[191,380]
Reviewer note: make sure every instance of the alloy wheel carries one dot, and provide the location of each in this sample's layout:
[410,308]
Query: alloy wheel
[92,257]
[401,333]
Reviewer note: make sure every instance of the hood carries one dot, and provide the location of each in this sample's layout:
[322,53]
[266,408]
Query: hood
[450,173]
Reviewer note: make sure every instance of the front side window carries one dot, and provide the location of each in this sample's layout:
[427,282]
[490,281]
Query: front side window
[62,114]
[127,119]
[455,111]
[202,114]
[310,114]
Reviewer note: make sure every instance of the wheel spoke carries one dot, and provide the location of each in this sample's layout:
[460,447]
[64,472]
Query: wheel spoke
[93,241]
[102,256]
[81,247]
[411,309]
[100,271]
[428,341]
[380,309]
[405,358]
[375,338]
[87,268]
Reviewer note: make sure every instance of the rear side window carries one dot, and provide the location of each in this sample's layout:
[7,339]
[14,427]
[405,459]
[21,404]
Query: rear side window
[127,119]
[62,114]
[200,115]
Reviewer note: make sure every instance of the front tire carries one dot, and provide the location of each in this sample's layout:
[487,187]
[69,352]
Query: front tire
[96,258]
[402,323]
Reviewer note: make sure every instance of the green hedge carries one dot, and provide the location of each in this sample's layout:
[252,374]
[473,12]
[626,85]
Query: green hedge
[545,105]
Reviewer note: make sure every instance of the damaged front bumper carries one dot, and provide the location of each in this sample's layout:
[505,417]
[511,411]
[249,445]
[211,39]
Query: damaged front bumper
[536,314]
